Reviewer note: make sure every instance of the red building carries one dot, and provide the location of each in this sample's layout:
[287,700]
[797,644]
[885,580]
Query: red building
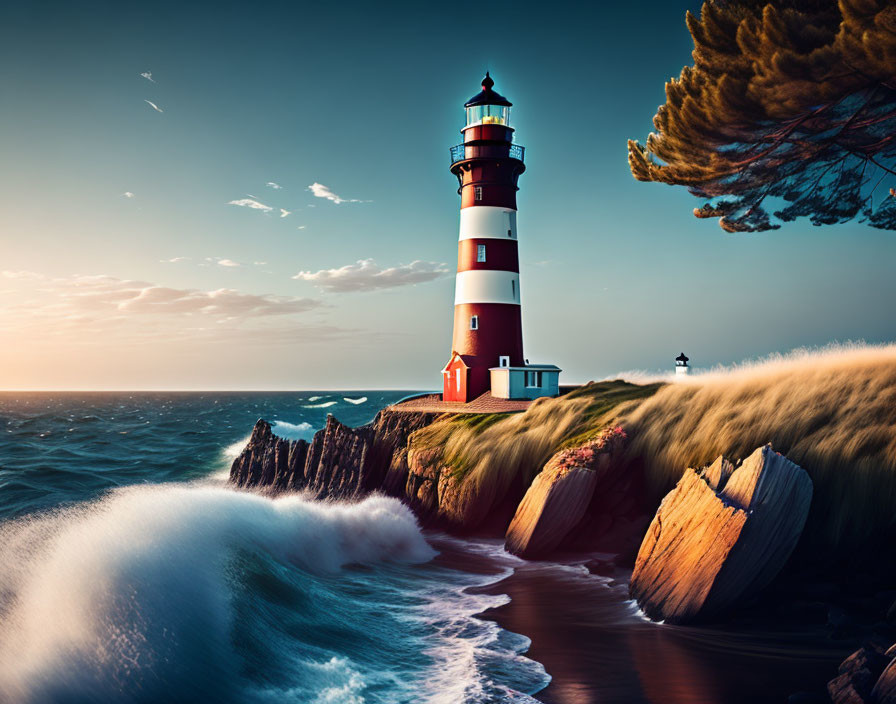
[487,317]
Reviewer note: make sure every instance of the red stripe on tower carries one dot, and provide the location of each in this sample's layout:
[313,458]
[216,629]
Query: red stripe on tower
[487,317]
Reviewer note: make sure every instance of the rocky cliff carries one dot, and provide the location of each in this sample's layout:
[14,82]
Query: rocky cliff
[339,462]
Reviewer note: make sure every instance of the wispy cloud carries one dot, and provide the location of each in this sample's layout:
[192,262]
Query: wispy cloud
[153,105]
[111,295]
[319,190]
[148,76]
[251,203]
[259,263]
[301,227]
[127,194]
[174,260]
[24,275]
[284,212]
[228,263]
[366,275]
[275,186]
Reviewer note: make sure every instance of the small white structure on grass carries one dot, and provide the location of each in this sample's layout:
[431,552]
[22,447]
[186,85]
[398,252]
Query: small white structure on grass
[529,381]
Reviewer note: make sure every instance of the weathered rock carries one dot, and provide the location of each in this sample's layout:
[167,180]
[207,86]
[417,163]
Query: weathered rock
[270,461]
[558,499]
[340,462]
[444,496]
[720,536]
[855,682]
[392,434]
[337,463]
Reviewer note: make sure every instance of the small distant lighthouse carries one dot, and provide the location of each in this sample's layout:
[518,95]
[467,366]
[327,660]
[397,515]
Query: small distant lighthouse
[487,344]
[681,365]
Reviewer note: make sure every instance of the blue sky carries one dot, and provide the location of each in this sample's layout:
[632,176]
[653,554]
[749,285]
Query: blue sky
[365,100]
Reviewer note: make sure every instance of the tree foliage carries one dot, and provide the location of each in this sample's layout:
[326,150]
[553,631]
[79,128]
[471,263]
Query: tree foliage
[789,110]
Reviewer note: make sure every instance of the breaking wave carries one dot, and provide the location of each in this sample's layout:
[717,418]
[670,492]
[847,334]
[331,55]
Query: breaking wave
[142,596]
[325,404]
[192,592]
[355,401]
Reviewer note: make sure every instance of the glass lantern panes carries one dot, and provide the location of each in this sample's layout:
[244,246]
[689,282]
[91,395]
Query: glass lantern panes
[488,115]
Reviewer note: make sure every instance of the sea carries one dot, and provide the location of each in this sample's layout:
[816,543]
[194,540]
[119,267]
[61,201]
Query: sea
[131,571]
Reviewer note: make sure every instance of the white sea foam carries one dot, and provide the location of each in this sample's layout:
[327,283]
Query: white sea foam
[129,598]
[356,401]
[465,649]
[231,452]
[293,431]
[325,404]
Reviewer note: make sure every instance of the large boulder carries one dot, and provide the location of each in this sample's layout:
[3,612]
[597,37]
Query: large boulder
[720,535]
[559,497]
[859,679]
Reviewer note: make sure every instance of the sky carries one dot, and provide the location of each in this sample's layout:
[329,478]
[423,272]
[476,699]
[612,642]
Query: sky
[257,196]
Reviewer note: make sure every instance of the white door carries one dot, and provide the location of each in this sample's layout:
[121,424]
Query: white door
[458,381]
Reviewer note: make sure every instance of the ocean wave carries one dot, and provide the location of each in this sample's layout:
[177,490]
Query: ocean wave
[325,404]
[355,401]
[137,597]
[232,451]
[293,431]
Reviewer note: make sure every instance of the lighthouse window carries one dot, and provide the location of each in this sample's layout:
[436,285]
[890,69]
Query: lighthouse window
[480,253]
[513,288]
[477,192]
[474,322]
[533,380]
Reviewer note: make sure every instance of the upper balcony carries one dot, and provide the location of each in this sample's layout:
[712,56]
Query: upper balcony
[459,152]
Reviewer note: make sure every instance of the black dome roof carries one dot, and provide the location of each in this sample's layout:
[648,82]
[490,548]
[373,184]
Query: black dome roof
[681,358]
[487,96]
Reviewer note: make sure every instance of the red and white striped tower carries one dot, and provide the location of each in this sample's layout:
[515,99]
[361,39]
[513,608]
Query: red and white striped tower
[487,318]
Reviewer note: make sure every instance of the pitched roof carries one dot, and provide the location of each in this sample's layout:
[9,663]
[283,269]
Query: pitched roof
[466,360]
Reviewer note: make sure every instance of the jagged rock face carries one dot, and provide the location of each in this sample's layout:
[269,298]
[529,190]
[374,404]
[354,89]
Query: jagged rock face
[270,461]
[340,462]
[720,536]
[559,498]
[443,497]
[393,430]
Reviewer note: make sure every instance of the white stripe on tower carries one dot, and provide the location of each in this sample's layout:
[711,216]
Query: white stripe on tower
[487,221]
[487,286]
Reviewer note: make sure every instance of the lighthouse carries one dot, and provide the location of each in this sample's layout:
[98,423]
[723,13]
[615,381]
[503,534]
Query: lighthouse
[681,365]
[487,342]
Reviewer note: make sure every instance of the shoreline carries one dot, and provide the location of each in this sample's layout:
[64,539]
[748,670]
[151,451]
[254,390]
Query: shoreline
[596,646]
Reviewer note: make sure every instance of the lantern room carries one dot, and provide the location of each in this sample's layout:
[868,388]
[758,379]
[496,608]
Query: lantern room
[488,107]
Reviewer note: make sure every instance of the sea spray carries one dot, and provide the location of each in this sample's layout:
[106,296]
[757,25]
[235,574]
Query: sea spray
[293,431]
[132,597]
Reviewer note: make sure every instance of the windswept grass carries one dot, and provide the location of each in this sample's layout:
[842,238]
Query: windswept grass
[496,451]
[833,412]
